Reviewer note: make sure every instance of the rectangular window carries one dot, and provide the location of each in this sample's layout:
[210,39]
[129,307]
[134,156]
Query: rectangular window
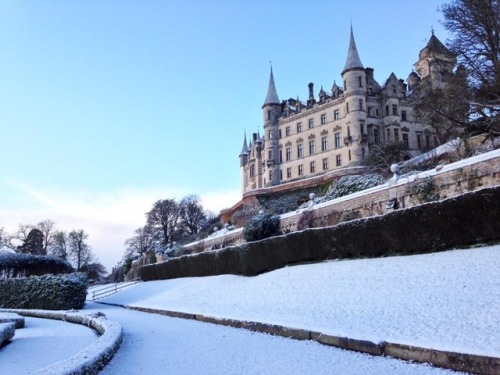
[289,173]
[323,119]
[281,156]
[338,160]
[287,131]
[311,123]
[396,135]
[324,143]
[360,81]
[325,164]
[376,138]
[419,141]
[387,110]
[377,112]
[388,134]
[336,114]
[394,109]
[288,153]
[405,140]
[299,127]
[270,134]
[279,133]
[270,155]
[312,148]
[362,128]
[312,167]
[360,104]
[270,175]
[337,140]
[281,175]
[252,170]
[300,150]
[301,170]
[347,107]
[403,115]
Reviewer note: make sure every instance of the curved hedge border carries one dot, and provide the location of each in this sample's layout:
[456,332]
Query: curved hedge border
[460,221]
[91,359]
[7,331]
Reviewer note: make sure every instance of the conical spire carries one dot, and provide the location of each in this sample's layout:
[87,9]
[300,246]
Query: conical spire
[435,45]
[353,60]
[272,95]
[244,149]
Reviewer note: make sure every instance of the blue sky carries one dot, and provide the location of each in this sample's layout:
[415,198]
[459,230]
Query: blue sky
[108,106]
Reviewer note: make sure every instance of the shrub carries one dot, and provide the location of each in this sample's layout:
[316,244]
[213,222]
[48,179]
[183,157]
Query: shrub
[422,190]
[261,226]
[24,265]
[47,292]
[354,183]
[306,220]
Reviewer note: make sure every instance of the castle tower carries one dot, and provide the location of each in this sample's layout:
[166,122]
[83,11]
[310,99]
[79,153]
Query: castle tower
[436,62]
[354,76]
[243,164]
[271,112]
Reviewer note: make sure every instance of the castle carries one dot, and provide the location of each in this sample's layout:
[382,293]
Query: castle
[336,130]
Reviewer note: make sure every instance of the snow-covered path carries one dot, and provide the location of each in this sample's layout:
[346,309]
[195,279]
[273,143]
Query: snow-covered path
[156,344]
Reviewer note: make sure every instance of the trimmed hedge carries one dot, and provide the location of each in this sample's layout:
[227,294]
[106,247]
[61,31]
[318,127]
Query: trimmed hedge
[460,221]
[24,265]
[48,292]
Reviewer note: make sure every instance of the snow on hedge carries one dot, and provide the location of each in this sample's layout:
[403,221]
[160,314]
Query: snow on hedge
[91,359]
[12,318]
[7,331]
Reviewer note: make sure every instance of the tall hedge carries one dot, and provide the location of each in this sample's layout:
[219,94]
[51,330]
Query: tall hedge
[24,265]
[467,219]
[47,292]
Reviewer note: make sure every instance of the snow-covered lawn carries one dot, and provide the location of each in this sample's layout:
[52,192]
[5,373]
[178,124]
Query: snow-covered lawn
[43,342]
[448,301]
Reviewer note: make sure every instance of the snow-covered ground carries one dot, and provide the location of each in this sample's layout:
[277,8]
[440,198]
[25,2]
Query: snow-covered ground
[448,301]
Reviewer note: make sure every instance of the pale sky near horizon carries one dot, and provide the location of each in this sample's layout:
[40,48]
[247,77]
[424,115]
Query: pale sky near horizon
[108,106]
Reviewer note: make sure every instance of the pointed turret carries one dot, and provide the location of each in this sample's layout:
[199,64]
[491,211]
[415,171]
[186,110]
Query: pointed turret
[244,149]
[353,61]
[272,95]
[436,62]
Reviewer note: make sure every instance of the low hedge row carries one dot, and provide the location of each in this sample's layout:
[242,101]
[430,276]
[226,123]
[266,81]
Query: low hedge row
[431,227]
[47,292]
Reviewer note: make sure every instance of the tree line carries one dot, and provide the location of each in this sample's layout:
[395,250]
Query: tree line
[169,222]
[45,239]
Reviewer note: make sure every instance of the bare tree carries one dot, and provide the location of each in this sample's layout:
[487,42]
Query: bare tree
[59,245]
[140,243]
[475,29]
[193,217]
[48,229]
[163,219]
[79,251]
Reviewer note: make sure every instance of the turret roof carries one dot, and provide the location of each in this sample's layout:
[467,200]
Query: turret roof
[244,149]
[435,45]
[353,61]
[272,95]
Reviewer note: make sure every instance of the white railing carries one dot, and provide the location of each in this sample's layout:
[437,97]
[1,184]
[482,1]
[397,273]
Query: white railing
[112,289]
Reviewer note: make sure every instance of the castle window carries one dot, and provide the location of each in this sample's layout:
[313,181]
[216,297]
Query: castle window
[396,135]
[279,133]
[270,134]
[288,154]
[281,156]
[336,114]
[252,170]
[394,89]
[360,104]
[289,173]
[376,112]
[287,131]
[338,160]
[347,107]
[403,116]
[281,175]
[323,119]
[299,127]
[270,155]
[376,139]
[387,110]
[349,155]
[324,143]
[394,109]
[419,141]
[312,148]
[337,140]
[311,123]
[362,152]
[269,115]
[361,128]
[325,164]
[388,134]
[312,167]
[405,140]
[345,85]
[301,170]
[300,150]
[360,81]
[348,131]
